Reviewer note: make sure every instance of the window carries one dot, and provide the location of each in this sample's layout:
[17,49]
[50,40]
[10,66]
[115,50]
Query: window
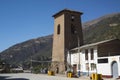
[86,54]
[72,17]
[105,60]
[73,31]
[92,53]
[87,66]
[93,66]
[58,29]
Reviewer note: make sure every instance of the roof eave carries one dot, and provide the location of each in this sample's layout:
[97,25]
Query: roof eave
[60,12]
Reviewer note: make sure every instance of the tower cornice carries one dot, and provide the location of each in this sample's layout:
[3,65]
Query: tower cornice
[66,10]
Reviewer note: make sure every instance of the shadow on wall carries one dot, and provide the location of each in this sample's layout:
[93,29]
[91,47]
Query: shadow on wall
[5,78]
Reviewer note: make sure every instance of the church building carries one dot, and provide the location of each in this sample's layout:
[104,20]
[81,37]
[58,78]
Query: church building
[70,53]
[67,32]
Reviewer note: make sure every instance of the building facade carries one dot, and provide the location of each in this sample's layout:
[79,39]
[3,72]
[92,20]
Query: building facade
[69,53]
[67,34]
[101,57]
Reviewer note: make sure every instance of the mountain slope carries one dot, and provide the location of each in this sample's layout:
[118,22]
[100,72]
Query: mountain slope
[95,21]
[103,28]
[39,49]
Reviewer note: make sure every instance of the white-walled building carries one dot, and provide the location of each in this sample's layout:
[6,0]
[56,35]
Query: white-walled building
[101,57]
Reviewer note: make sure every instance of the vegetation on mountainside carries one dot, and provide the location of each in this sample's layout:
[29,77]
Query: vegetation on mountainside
[41,48]
[36,49]
[108,28]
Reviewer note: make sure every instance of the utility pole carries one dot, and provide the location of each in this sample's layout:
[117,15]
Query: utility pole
[31,64]
[79,55]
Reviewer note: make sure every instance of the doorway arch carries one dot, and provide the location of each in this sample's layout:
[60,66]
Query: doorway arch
[114,69]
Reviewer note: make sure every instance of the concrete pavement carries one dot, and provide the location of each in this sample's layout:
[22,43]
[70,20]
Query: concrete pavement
[29,76]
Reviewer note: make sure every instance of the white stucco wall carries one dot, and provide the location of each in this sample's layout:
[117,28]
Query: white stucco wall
[105,68]
[75,59]
[89,60]
[119,66]
[101,68]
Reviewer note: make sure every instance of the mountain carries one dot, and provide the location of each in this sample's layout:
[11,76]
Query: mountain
[103,28]
[39,49]
[95,21]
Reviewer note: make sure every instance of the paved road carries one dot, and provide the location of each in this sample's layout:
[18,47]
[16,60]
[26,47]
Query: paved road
[29,76]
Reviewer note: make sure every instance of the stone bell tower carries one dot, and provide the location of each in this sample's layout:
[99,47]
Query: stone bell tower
[67,35]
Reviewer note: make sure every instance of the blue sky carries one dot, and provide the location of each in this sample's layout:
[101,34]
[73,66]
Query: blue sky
[21,20]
